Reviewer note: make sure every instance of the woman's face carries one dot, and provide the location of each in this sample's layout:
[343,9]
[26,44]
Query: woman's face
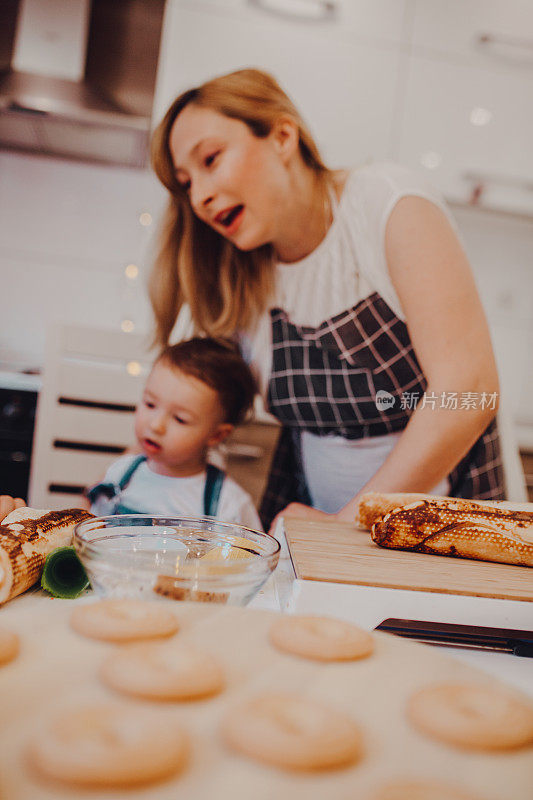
[236,182]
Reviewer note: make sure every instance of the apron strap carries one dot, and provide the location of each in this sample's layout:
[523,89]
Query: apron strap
[213,485]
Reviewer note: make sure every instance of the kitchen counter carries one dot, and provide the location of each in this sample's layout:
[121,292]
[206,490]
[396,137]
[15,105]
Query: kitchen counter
[20,381]
[367,606]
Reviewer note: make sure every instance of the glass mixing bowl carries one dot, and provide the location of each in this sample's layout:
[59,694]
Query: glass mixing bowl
[132,555]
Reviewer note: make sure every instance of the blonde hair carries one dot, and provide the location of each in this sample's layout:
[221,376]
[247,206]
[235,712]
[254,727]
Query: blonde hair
[225,288]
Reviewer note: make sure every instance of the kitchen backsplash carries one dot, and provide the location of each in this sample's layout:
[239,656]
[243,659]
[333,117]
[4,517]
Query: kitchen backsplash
[69,230]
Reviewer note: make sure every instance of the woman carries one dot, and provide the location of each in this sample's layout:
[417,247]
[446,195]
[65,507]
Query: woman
[348,291]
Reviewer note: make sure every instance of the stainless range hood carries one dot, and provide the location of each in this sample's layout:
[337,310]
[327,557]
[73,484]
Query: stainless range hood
[77,77]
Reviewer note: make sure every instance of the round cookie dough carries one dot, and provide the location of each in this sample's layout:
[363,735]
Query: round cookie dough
[292,732]
[321,638]
[9,645]
[473,717]
[421,790]
[124,620]
[109,746]
[163,672]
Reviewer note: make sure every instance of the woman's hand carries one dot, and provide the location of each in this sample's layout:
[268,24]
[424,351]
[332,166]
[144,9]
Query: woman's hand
[9,504]
[302,512]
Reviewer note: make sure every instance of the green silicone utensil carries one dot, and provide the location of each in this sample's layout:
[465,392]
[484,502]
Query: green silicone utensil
[63,574]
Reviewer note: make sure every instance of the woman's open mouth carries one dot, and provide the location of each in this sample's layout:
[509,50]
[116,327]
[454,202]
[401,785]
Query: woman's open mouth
[150,446]
[230,218]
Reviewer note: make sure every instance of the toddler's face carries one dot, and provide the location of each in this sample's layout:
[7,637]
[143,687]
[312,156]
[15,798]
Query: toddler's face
[178,418]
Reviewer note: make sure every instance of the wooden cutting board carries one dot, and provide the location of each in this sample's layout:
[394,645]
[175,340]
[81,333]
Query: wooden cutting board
[344,553]
[58,669]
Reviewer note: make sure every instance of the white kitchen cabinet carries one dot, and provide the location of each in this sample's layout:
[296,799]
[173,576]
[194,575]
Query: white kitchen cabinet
[373,19]
[490,32]
[345,90]
[380,20]
[467,110]
[443,102]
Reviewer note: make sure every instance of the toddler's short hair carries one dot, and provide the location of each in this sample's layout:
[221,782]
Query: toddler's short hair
[218,364]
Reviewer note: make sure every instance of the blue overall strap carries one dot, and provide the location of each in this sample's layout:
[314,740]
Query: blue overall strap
[128,475]
[111,490]
[213,485]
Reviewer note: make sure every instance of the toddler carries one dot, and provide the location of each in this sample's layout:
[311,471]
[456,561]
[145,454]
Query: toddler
[197,391]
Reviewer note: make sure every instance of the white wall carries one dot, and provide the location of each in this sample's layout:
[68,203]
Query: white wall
[67,230]
[500,248]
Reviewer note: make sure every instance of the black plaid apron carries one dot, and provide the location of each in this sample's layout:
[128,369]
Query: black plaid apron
[325,380]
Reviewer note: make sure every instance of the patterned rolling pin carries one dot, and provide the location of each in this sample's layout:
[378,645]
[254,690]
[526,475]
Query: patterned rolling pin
[27,535]
[449,527]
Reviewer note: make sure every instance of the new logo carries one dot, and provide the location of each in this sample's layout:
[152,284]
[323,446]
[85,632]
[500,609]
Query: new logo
[384,400]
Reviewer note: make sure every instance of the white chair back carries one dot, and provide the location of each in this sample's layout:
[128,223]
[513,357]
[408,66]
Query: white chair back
[92,381]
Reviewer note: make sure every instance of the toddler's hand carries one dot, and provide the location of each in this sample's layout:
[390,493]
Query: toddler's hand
[9,504]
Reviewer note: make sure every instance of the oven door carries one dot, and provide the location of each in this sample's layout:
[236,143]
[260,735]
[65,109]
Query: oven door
[17,419]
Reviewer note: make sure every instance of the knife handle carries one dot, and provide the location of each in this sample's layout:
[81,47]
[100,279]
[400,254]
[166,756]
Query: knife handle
[517,642]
